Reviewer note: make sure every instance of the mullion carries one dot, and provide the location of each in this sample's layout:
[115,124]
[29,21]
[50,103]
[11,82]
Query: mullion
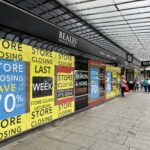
[77,21]
[86,32]
[94,13]
[78,26]
[79,29]
[40,8]
[34,5]
[97,13]
[111,25]
[67,21]
[50,10]
[122,24]
[101,6]
[116,16]
[115,29]
[119,20]
[131,8]
[79,3]
[71,16]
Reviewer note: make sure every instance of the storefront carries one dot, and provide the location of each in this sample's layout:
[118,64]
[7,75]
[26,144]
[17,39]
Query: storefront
[112,81]
[40,84]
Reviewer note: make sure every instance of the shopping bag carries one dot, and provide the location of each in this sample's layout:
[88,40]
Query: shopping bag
[127,88]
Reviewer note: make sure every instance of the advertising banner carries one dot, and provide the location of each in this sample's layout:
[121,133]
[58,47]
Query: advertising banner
[94,87]
[41,94]
[113,81]
[65,84]
[42,86]
[96,91]
[81,89]
[12,88]
[36,87]
[81,81]
[109,82]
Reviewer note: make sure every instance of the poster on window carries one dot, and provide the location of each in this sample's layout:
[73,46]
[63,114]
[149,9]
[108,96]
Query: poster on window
[109,82]
[94,87]
[12,88]
[96,94]
[81,89]
[113,81]
[65,84]
[36,87]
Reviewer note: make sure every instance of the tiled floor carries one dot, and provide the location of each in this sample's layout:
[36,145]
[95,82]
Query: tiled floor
[120,124]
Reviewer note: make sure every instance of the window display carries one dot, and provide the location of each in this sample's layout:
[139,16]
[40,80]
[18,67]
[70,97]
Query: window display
[81,83]
[96,82]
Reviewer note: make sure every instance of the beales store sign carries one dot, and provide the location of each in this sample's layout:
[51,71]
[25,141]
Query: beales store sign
[67,39]
[145,63]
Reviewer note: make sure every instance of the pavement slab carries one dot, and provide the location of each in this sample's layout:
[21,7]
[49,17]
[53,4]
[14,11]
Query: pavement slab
[119,124]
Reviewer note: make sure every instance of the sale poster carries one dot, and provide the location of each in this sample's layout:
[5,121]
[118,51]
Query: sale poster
[42,94]
[109,82]
[113,81]
[81,89]
[64,86]
[12,88]
[96,85]
[81,75]
[36,87]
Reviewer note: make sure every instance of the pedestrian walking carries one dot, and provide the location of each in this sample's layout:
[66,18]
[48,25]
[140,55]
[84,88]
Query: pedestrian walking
[123,85]
[149,85]
[136,85]
[141,84]
[145,84]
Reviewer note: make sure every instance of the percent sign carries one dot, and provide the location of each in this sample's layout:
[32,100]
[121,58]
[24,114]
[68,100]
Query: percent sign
[19,98]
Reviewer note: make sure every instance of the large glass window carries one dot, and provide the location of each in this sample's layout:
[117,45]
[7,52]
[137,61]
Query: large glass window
[96,82]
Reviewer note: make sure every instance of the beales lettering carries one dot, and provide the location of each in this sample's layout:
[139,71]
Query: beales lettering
[67,39]
[145,63]
[42,86]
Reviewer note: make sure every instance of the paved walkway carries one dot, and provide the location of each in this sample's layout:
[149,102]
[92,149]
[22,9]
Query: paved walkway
[120,124]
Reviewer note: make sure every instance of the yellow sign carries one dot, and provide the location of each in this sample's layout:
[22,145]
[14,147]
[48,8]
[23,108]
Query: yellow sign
[36,87]
[115,81]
